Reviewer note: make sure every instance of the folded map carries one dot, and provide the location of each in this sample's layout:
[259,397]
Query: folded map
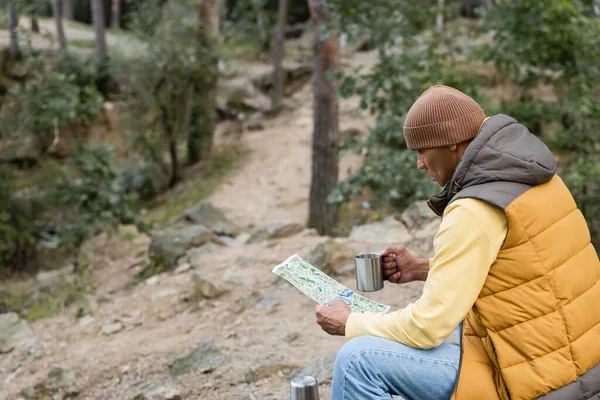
[321,288]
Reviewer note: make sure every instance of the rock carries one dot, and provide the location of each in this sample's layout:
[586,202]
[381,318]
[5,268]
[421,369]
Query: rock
[246,261]
[212,218]
[295,76]
[146,179]
[206,287]
[321,370]
[418,215]
[47,279]
[268,303]
[183,268]
[247,302]
[292,337]
[168,246]
[240,95]
[62,381]
[266,371]
[197,255]
[331,256]
[14,333]
[153,280]
[276,231]
[237,277]
[168,391]
[203,358]
[389,231]
[60,384]
[109,329]
[86,320]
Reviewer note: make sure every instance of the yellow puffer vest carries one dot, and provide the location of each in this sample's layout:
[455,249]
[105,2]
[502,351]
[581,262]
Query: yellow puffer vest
[534,331]
[535,327]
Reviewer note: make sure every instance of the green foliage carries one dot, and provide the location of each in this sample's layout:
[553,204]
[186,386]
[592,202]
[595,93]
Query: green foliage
[410,61]
[93,197]
[160,93]
[551,43]
[50,99]
[583,179]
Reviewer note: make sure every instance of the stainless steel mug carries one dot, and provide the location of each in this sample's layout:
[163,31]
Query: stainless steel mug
[369,272]
[304,388]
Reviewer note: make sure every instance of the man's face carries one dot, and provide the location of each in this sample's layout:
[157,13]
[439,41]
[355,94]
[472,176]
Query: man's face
[440,163]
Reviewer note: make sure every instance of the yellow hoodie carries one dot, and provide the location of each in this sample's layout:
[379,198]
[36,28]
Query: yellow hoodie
[471,234]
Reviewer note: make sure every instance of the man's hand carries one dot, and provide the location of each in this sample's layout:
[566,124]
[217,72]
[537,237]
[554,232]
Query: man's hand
[400,267]
[333,317]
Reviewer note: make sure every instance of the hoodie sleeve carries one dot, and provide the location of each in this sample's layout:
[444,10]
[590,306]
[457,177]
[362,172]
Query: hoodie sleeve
[470,237]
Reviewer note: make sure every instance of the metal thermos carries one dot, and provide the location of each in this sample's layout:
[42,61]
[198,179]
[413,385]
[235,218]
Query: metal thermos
[369,272]
[304,388]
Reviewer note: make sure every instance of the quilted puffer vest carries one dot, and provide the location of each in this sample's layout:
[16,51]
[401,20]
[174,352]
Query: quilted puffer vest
[534,331]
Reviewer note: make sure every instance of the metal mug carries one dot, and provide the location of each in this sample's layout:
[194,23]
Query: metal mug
[369,272]
[304,388]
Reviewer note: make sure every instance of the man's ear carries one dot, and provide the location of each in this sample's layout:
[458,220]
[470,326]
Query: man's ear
[453,147]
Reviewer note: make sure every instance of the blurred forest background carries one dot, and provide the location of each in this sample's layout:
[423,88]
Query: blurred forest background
[69,170]
[129,112]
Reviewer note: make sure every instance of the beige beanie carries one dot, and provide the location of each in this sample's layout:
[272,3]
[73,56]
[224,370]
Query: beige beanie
[442,116]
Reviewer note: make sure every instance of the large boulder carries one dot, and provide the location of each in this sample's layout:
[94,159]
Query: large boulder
[240,95]
[321,370]
[60,384]
[276,231]
[203,358]
[295,76]
[331,256]
[168,246]
[418,216]
[207,215]
[47,279]
[388,231]
[206,287]
[14,332]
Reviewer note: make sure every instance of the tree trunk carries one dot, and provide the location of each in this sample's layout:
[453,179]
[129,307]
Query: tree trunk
[13,23]
[203,114]
[322,214]
[439,19]
[67,9]
[172,139]
[260,23]
[278,78]
[596,6]
[35,24]
[99,29]
[60,33]
[115,14]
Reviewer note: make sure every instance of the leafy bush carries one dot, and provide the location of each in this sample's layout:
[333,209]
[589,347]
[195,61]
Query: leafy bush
[551,44]
[583,179]
[161,96]
[49,100]
[93,197]
[410,61]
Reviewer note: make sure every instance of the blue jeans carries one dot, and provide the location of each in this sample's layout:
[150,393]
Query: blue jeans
[371,368]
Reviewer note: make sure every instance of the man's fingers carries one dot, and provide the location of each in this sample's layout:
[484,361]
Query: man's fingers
[395,277]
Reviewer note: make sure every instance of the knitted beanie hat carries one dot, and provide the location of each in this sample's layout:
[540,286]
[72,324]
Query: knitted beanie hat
[442,116]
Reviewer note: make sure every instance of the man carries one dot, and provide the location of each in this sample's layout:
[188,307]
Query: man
[513,262]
